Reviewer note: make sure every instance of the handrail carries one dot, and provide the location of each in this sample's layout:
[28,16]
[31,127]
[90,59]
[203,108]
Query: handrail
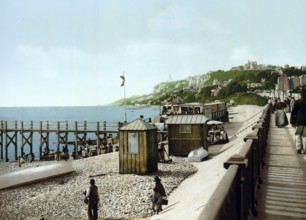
[234,197]
[59,126]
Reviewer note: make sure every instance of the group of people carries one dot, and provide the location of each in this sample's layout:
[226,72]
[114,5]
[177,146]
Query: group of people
[26,158]
[84,152]
[94,150]
[217,135]
[297,118]
[92,198]
[56,155]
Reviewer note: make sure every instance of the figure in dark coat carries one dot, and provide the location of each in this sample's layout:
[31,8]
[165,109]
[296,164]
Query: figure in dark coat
[298,120]
[160,189]
[93,200]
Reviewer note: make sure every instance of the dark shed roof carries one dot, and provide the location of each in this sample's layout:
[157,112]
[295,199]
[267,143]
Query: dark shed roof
[138,125]
[187,119]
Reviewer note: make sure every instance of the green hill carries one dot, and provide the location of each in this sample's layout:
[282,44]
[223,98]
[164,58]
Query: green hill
[231,85]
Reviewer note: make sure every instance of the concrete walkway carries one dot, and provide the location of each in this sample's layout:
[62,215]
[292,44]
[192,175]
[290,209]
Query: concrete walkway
[188,200]
[283,192]
[281,196]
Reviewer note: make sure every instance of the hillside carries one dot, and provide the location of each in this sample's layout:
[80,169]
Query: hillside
[237,85]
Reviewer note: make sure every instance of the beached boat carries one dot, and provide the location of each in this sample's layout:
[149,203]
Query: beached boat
[35,174]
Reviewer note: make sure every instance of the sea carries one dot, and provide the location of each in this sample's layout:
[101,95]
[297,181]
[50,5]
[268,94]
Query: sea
[109,114]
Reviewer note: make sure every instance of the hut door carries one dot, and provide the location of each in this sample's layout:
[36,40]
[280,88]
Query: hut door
[133,145]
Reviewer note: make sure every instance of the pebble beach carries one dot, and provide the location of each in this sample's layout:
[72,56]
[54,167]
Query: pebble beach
[122,196]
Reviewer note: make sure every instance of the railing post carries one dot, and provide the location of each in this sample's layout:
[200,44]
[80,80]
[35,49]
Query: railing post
[253,170]
[242,163]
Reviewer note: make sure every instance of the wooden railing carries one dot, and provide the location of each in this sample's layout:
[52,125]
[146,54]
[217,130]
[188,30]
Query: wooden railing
[234,197]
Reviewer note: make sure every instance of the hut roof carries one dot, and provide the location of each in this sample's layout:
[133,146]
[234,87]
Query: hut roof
[138,125]
[187,119]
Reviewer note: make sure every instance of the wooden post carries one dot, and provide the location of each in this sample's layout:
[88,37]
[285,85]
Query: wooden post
[1,140]
[31,140]
[47,136]
[66,135]
[58,140]
[76,139]
[85,133]
[22,141]
[6,146]
[41,140]
[98,138]
[26,139]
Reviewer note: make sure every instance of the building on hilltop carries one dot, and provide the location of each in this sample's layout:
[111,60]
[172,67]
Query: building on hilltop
[251,65]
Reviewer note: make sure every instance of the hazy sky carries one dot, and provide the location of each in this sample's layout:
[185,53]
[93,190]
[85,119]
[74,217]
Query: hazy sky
[72,52]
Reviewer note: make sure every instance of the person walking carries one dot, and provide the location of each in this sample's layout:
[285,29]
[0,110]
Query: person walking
[298,120]
[281,119]
[160,190]
[292,101]
[93,200]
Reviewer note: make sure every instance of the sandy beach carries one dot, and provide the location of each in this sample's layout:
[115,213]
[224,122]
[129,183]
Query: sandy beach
[123,196]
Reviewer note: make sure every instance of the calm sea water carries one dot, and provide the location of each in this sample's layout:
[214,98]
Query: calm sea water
[70,114]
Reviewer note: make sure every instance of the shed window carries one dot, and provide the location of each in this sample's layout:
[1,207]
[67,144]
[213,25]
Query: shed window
[133,145]
[185,128]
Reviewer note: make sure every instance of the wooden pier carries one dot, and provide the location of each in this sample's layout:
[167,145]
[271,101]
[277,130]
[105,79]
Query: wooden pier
[12,131]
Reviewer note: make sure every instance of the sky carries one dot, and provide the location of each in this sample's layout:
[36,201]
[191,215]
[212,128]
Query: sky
[72,52]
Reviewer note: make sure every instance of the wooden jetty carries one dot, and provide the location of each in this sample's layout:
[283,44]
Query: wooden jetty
[12,131]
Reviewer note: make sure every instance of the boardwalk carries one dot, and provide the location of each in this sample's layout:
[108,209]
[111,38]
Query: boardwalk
[283,192]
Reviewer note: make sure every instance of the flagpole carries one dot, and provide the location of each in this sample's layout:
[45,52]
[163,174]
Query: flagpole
[125,105]
[123,84]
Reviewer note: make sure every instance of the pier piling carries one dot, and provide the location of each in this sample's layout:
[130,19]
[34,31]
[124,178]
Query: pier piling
[12,132]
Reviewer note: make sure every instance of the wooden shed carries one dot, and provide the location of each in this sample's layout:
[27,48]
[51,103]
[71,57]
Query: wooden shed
[186,133]
[138,148]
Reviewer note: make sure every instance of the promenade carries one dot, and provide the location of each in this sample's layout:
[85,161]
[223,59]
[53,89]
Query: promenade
[282,195]
[283,192]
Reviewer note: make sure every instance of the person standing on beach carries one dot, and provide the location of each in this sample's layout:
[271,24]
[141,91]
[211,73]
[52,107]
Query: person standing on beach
[93,200]
[160,189]
[298,120]
[156,201]
[281,119]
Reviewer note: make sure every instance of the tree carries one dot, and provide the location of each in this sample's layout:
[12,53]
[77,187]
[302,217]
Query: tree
[232,88]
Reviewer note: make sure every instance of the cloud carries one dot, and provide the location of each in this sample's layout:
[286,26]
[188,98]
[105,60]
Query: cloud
[241,54]
[64,76]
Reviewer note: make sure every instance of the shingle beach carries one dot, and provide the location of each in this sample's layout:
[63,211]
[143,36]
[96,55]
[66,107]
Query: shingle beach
[122,195]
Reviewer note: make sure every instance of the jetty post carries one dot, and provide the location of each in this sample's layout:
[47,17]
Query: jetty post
[62,135]
[1,139]
[11,138]
[26,138]
[44,138]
